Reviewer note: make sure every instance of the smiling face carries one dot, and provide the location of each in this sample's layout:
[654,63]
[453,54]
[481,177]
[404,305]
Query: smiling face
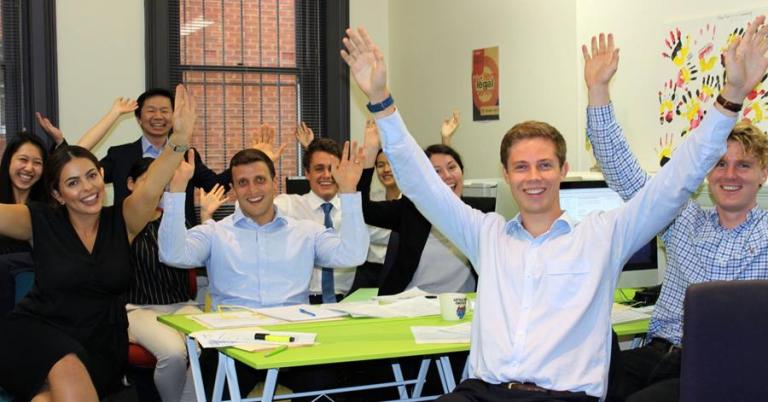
[26,167]
[319,175]
[156,117]
[384,171]
[449,171]
[735,180]
[533,173]
[255,189]
[80,187]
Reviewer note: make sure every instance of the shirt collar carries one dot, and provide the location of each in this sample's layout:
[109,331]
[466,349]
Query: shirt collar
[147,147]
[239,218]
[752,215]
[562,225]
[314,201]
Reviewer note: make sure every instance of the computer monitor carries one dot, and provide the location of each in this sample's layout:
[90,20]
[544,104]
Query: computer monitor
[296,185]
[579,198]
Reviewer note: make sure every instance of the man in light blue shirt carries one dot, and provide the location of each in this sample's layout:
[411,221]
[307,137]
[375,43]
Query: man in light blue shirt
[257,257]
[541,329]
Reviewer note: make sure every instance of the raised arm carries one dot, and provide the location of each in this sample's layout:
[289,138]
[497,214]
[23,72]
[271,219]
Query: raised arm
[53,132]
[415,175]
[654,206]
[448,128]
[304,135]
[384,214]
[620,167]
[264,140]
[348,247]
[211,201]
[96,133]
[139,207]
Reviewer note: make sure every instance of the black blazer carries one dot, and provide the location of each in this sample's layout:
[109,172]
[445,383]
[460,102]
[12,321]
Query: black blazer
[120,158]
[413,228]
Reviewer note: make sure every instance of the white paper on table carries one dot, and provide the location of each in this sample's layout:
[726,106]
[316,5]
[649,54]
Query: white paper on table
[445,334]
[301,312]
[415,307]
[244,336]
[404,295]
[621,314]
[234,319]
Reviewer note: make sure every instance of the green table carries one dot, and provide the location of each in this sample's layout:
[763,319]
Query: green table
[347,340]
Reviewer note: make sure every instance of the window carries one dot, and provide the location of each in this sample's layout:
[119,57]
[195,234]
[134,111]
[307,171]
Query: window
[249,62]
[27,55]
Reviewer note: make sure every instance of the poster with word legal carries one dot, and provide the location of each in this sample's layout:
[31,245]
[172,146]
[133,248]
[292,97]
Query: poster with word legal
[485,84]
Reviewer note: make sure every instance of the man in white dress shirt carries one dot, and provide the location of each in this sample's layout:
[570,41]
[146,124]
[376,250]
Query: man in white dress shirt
[541,329]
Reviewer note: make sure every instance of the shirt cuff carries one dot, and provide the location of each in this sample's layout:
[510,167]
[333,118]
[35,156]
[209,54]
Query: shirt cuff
[390,128]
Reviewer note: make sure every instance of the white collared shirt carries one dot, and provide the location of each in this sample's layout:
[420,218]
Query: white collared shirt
[309,206]
[260,265]
[543,304]
[148,150]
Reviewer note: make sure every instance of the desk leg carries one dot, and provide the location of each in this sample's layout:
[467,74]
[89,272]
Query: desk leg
[441,374]
[269,385]
[194,365]
[421,378]
[399,378]
[234,386]
[465,372]
[218,385]
[449,383]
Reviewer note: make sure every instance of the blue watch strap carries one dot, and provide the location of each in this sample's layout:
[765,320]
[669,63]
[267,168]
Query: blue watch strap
[378,107]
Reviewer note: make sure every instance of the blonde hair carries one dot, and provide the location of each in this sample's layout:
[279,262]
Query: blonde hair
[753,139]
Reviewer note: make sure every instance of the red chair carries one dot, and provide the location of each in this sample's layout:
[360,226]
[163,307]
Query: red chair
[140,357]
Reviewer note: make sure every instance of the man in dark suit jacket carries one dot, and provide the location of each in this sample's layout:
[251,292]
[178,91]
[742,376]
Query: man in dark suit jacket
[155,117]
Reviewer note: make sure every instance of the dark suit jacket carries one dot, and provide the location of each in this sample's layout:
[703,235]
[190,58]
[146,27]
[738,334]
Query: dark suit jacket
[399,216]
[119,160]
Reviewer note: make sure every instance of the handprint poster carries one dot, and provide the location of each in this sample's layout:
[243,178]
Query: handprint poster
[693,76]
[485,84]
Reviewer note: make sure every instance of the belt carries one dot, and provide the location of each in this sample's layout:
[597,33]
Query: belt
[663,345]
[531,387]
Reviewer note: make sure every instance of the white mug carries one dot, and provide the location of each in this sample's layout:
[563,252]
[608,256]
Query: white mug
[453,306]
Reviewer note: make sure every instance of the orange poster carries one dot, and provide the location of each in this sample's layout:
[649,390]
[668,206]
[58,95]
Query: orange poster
[485,84]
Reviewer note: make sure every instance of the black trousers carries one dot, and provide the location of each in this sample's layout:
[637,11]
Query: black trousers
[474,390]
[651,373]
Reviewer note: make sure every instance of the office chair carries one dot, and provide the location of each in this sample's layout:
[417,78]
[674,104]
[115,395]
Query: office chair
[725,342]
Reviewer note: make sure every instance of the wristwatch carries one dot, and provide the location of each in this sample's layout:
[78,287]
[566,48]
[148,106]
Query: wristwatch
[178,148]
[728,105]
[381,106]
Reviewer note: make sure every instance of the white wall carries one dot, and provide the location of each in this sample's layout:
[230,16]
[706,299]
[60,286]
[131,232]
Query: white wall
[100,57]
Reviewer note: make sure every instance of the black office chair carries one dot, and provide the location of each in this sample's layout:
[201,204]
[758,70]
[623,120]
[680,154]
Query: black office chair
[725,342]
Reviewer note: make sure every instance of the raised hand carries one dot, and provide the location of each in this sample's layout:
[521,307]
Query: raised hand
[366,62]
[449,128]
[56,135]
[304,135]
[184,116]
[371,143]
[599,67]
[745,61]
[124,105]
[211,201]
[264,140]
[350,168]
[183,173]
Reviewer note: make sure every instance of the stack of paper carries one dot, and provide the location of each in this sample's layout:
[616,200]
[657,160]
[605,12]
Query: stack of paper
[415,307]
[404,295]
[301,312]
[234,319]
[621,314]
[244,337]
[446,334]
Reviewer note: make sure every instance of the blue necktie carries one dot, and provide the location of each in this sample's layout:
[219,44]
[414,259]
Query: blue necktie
[329,292]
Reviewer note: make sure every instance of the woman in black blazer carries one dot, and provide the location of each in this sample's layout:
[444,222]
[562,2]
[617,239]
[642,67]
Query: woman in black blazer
[416,237]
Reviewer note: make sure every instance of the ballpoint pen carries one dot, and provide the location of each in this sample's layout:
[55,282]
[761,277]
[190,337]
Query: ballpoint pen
[307,312]
[276,351]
